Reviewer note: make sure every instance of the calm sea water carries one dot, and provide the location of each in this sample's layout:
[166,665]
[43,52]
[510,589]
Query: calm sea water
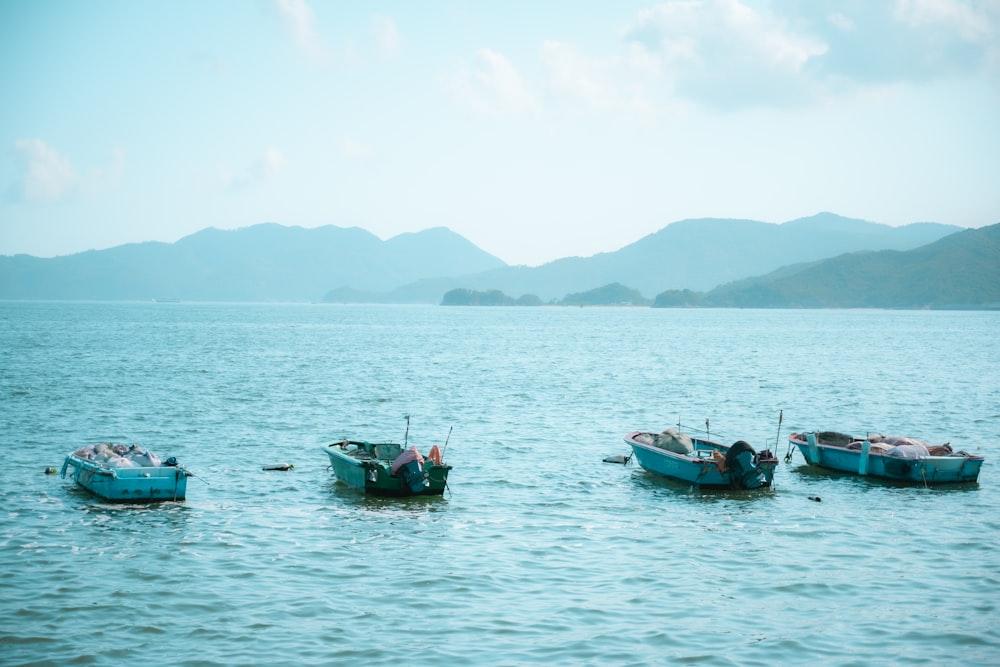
[541,553]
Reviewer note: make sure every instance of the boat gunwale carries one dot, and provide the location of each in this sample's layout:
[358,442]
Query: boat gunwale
[338,449]
[802,442]
[718,446]
[104,469]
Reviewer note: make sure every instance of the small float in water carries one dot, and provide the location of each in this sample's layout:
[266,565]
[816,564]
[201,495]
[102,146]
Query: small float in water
[886,457]
[126,473]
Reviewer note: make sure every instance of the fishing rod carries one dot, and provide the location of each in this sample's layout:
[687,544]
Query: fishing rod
[790,450]
[406,436]
[443,449]
[777,438]
[682,428]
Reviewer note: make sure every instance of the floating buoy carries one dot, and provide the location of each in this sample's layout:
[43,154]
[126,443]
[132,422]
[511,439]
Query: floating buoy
[279,466]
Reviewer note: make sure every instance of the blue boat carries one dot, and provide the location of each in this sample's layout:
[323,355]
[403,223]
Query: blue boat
[702,462]
[114,481]
[887,457]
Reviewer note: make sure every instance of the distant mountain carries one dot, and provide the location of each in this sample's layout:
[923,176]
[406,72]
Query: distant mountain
[959,271]
[690,254]
[271,262]
[265,262]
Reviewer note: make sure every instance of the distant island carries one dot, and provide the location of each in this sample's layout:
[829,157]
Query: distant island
[614,294]
[467,297]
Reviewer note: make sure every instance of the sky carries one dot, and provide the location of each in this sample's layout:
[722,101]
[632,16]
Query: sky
[536,130]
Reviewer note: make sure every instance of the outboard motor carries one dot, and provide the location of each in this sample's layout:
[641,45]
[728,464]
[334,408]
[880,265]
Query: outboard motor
[414,476]
[741,462]
[408,466]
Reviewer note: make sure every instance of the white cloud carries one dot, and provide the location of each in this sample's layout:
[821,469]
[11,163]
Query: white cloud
[725,52]
[724,31]
[841,22]
[952,35]
[386,36]
[300,22]
[903,41]
[256,174]
[609,84]
[733,54]
[574,75]
[970,24]
[492,88]
[44,175]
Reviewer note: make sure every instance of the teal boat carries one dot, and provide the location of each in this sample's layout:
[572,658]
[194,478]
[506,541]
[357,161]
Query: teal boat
[702,462]
[897,458]
[389,468]
[143,478]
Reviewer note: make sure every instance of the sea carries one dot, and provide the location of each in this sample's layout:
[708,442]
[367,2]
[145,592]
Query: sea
[539,552]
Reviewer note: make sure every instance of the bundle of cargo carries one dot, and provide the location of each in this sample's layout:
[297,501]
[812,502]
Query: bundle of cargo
[127,473]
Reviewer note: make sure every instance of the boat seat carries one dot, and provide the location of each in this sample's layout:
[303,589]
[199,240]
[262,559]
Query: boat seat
[388,451]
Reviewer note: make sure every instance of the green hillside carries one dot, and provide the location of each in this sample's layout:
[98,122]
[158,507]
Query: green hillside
[959,271]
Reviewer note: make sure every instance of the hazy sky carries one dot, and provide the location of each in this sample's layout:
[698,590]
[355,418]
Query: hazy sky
[537,130]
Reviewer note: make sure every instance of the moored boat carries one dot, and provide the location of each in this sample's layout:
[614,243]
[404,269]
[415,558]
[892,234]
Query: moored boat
[702,462]
[389,468]
[126,473]
[888,457]
[386,469]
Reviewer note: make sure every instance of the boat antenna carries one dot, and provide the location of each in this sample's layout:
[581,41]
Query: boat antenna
[406,437]
[708,431]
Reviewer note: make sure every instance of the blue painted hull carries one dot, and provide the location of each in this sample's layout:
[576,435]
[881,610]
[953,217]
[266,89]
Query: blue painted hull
[865,462]
[128,485]
[699,468]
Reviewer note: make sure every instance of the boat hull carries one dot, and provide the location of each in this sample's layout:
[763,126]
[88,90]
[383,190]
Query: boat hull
[699,468]
[373,476]
[128,485]
[921,470]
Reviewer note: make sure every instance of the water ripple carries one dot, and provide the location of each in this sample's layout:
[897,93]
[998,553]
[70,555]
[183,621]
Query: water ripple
[541,553]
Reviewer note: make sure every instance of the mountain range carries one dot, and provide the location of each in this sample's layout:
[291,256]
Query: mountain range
[270,262]
[961,270]
[265,262]
[696,254]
